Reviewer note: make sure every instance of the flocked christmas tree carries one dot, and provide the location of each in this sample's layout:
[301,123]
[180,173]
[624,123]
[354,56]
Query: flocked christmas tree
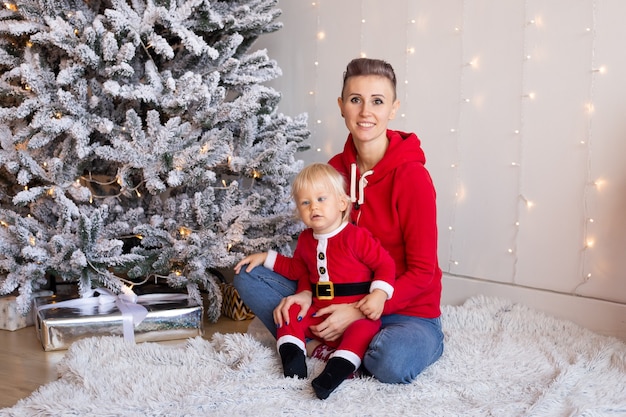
[138,141]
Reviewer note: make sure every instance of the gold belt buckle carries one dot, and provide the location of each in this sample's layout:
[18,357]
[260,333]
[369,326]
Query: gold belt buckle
[325,290]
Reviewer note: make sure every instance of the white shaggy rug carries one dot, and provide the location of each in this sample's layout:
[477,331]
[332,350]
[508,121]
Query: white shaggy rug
[501,359]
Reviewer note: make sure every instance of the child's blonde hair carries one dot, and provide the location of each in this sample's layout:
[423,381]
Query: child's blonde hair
[322,176]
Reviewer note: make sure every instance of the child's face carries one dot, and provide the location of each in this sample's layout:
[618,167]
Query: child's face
[320,209]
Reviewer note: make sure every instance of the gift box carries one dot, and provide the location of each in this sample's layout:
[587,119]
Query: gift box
[10,316]
[60,321]
[232,304]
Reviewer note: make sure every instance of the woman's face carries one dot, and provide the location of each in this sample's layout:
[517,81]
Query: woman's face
[367,106]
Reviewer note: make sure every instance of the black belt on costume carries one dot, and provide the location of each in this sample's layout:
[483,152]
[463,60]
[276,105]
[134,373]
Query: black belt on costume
[329,290]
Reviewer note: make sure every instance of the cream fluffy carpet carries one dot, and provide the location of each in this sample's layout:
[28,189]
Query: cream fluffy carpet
[501,359]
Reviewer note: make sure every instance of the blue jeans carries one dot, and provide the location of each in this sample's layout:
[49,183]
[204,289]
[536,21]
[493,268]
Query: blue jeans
[399,352]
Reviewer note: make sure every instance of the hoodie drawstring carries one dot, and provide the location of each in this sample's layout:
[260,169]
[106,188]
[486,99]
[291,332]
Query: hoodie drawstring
[362,184]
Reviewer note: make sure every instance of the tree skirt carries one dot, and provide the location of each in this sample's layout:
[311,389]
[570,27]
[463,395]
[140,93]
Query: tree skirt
[500,359]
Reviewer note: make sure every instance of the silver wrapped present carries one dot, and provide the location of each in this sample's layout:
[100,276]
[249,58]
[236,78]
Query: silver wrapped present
[60,321]
[10,316]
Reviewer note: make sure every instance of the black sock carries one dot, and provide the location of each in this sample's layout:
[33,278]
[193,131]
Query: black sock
[337,369]
[294,360]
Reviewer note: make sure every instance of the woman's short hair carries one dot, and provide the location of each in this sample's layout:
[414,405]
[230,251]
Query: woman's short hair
[369,66]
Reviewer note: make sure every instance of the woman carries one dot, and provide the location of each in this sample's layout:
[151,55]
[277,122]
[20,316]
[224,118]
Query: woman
[394,198]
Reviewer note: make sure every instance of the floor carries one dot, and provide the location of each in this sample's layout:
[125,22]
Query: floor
[24,365]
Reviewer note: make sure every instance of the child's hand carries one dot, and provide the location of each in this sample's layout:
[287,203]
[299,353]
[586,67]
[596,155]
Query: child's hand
[372,304]
[253,261]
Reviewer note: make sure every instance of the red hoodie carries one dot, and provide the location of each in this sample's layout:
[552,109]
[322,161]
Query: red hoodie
[396,202]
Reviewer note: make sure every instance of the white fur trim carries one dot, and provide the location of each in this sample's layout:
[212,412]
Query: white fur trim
[382,285]
[270,261]
[349,356]
[290,339]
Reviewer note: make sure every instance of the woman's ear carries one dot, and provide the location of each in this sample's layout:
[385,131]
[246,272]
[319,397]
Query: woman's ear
[340,103]
[394,109]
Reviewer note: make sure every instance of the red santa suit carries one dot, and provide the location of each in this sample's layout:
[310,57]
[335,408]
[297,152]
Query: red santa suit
[348,257]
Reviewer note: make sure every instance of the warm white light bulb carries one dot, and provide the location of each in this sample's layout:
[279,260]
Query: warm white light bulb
[599,183]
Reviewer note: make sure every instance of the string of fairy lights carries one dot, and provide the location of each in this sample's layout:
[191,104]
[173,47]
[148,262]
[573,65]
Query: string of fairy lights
[320,35]
[533,24]
[518,135]
[592,185]
[408,62]
[454,165]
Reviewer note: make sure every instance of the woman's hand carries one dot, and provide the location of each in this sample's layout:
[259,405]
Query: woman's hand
[281,312]
[340,316]
[253,261]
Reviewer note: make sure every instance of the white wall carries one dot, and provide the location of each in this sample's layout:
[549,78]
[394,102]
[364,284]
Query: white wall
[521,109]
